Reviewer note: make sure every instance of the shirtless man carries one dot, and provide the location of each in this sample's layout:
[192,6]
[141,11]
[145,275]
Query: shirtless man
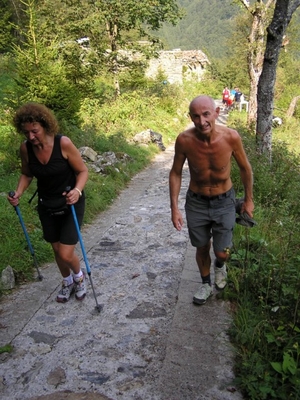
[210,199]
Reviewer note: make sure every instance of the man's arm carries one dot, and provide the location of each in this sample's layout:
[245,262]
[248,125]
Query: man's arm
[175,177]
[246,174]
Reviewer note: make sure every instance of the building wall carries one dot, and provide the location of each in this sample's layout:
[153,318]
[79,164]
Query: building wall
[178,65]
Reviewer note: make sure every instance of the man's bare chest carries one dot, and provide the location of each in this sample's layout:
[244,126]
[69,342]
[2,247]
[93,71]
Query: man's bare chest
[203,157]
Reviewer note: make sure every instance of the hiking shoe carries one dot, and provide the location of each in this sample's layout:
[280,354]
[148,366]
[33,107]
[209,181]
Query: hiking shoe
[220,277]
[80,289]
[65,293]
[204,292]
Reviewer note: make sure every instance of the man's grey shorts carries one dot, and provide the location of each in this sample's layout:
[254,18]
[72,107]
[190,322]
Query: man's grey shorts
[211,217]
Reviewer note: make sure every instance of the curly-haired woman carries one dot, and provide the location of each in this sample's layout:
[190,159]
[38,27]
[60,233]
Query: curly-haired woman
[56,163]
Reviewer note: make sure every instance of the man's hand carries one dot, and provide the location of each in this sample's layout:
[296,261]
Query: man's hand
[177,219]
[248,207]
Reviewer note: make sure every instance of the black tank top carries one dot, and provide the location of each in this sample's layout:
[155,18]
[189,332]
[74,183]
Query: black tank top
[53,177]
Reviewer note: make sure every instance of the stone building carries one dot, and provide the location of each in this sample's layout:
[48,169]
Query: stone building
[178,65]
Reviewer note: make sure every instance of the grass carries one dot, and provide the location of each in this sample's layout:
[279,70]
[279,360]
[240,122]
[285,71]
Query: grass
[8,348]
[264,276]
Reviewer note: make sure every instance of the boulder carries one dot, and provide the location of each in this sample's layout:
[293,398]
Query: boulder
[88,153]
[149,136]
[8,278]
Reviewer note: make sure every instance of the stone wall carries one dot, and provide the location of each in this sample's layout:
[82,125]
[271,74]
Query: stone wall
[178,65]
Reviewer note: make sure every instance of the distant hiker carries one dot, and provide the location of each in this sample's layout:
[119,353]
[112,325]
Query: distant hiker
[230,102]
[225,96]
[56,163]
[210,199]
[238,97]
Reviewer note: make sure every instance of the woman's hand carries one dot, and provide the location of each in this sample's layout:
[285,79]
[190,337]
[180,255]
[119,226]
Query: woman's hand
[13,198]
[72,196]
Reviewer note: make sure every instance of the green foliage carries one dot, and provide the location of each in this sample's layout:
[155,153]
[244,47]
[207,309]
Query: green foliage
[6,36]
[206,26]
[39,75]
[49,85]
[264,278]
[9,151]
[112,27]
[133,112]
[209,85]
[8,348]
[286,87]
[7,84]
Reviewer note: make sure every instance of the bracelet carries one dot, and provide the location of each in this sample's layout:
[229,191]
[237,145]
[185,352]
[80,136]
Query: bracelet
[79,191]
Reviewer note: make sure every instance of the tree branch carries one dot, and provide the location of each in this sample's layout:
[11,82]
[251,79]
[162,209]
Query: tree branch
[292,8]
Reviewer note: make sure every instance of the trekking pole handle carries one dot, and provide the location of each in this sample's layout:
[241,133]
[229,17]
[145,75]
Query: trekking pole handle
[11,194]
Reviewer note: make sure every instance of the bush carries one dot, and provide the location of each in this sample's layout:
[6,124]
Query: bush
[264,279]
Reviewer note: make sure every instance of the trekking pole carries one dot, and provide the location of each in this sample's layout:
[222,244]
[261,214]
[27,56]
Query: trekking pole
[88,269]
[17,209]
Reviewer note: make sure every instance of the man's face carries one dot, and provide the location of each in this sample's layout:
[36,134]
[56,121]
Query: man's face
[204,115]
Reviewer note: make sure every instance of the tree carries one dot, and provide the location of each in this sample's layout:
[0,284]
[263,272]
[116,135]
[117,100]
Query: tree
[282,16]
[123,17]
[11,16]
[260,15]
[115,27]
[39,73]
[5,27]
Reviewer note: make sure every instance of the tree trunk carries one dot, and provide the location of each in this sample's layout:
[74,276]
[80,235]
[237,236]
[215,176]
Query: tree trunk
[112,31]
[265,92]
[255,59]
[291,109]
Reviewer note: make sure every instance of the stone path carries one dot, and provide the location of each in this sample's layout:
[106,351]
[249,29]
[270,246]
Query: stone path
[149,342]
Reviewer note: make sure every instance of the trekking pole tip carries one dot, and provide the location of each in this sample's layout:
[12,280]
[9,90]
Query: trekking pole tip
[99,307]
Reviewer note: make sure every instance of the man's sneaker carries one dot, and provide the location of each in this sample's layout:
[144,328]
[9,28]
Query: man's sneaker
[65,293]
[80,289]
[220,277]
[204,292]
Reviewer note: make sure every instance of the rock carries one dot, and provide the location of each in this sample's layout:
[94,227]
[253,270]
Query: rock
[87,152]
[57,377]
[106,161]
[276,121]
[148,136]
[8,278]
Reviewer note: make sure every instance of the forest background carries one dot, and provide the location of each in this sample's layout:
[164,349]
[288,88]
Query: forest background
[102,100]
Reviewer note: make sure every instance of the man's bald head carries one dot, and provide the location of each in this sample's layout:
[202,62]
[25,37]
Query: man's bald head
[203,100]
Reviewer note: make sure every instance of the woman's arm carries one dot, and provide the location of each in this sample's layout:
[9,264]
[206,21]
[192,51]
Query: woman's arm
[71,153]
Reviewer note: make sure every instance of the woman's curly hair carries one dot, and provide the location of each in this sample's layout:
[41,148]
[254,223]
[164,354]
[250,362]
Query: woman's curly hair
[35,112]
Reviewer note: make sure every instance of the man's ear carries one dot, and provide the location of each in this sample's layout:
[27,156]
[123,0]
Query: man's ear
[218,110]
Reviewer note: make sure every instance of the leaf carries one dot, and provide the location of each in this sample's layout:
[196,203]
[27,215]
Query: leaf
[289,364]
[277,367]
[270,338]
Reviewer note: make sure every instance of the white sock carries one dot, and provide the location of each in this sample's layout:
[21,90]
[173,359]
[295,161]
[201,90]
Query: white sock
[78,276]
[68,280]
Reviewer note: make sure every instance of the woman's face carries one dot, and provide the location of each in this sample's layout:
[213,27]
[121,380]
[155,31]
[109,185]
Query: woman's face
[34,132]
